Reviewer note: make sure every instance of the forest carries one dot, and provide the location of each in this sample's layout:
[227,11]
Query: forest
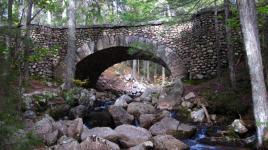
[133,74]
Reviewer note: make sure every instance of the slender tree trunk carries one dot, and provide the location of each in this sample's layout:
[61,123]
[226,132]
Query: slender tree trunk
[144,69]
[138,68]
[70,58]
[229,46]
[27,47]
[163,76]
[248,19]
[265,50]
[148,70]
[216,24]
[134,69]
[155,72]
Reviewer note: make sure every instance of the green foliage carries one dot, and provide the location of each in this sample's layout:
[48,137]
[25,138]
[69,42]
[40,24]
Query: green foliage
[227,103]
[81,82]
[143,49]
[71,96]
[41,53]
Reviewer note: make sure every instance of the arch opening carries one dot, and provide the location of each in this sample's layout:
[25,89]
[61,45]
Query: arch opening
[91,67]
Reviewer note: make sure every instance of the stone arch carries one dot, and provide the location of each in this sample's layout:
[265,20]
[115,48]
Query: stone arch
[115,49]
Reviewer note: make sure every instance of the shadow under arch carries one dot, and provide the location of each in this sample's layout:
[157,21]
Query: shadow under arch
[92,66]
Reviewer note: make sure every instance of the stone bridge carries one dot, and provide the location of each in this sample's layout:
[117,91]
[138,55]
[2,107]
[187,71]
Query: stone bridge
[185,50]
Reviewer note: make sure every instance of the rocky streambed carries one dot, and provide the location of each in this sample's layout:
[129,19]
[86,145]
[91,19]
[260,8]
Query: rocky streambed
[160,119]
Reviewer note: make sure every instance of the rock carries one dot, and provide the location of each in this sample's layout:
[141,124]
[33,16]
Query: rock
[78,112]
[138,108]
[130,136]
[164,126]
[59,111]
[120,115]
[168,103]
[189,96]
[28,102]
[172,127]
[144,146]
[29,114]
[123,101]
[74,128]
[127,98]
[177,89]
[147,95]
[44,129]
[187,104]
[67,143]
[97,143]
[198,116]
[239,127]
[87,98]
[146,120]
[103,132]
[168,142]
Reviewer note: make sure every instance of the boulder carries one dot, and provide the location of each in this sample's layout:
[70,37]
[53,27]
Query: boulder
[67,143]
[59,111]
[146,120]
[168,103]
[87,98]
[103,132]
[97,143]
[189,96]
[172,127]
[168,142]
[29,114]
[239,127]
[143,146]
[44,129]
[198,116]
[138,108]
[123,101]
[187,104]
[74,128]
[130,136]
[164,126]
[120,115]
[78,112]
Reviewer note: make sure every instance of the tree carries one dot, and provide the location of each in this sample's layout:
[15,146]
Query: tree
[248,19]
[231,64]
[27,36]
[134,69]
[70,60]
[148,70]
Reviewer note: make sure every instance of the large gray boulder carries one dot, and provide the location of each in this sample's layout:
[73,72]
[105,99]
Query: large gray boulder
[78,112]
[97,143]
[103,132]
[70,128]
[138,108]
[168,142]
[45,130]
[120,115]
[130,136]
[67,143]
[143,146]
[173,127]
[146,120]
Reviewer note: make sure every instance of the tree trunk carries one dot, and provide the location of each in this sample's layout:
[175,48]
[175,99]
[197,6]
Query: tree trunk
[70,58]
[229,46]
[248,19]
[138,68]
[216,24]
[163,76]
[134,69]
[144,69]
[27,47]
[148,70]
[155,72]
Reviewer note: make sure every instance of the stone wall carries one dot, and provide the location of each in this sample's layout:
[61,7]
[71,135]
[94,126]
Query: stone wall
[188,46]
